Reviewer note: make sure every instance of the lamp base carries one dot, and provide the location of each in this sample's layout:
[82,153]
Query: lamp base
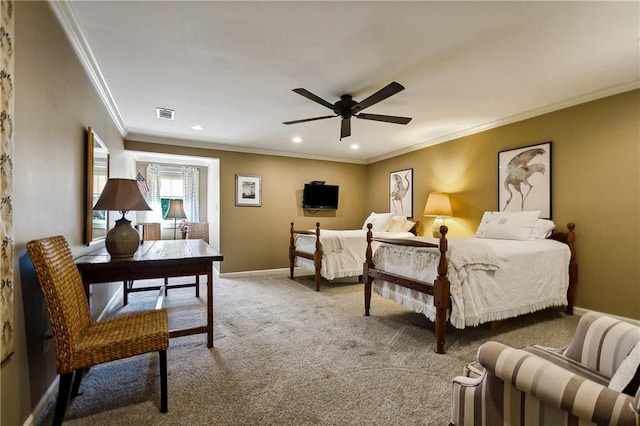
[122,241]
[435,228]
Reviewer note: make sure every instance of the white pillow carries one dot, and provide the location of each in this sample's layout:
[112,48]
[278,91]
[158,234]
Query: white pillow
[507,225]
[398,224]
[380,221]
[627,376]
[542,229]
[409,226]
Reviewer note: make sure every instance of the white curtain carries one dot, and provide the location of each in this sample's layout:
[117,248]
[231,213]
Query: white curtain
[191,179]
[153,196]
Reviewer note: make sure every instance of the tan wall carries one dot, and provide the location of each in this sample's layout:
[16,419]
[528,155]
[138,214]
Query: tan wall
[256,238]
[55,102]
[595,184]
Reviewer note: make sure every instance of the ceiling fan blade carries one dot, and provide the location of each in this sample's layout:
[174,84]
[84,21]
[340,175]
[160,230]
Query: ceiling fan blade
[309,119]
[345,128]
[385,118]
[382,94]
[307,94]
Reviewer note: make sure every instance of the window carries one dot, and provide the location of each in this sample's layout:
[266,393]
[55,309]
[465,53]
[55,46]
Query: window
[171,188]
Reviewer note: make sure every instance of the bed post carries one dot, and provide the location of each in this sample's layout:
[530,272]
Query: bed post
[573,269]
[368,263]
[441,294]
[292,249]
[317,257]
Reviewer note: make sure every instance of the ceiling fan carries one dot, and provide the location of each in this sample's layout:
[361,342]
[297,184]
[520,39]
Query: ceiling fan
[346,108]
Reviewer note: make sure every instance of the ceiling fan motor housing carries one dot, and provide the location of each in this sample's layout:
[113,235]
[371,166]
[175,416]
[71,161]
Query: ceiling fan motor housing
[344,106]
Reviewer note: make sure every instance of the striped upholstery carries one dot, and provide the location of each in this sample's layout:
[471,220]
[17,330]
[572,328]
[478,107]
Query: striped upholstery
[602,342]
[542,386]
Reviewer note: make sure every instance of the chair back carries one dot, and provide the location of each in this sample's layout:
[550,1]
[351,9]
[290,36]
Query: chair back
[199,230]
[151,231]
[63,294]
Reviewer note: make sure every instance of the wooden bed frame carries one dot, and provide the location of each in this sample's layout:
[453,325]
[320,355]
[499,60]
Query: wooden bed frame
[316,256]
[440,288]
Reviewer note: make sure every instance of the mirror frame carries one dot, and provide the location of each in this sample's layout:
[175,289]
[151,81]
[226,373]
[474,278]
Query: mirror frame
[93,140]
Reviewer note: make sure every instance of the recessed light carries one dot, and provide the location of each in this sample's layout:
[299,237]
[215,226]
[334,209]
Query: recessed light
[197,127]
[297,139]
[355,146]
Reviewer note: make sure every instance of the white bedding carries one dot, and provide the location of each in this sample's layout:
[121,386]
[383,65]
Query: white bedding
[343,251]
[490,279]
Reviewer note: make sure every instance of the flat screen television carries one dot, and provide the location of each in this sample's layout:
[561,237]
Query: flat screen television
[320,197]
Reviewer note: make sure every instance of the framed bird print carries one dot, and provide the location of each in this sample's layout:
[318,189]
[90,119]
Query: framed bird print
[524,179]
[401,192]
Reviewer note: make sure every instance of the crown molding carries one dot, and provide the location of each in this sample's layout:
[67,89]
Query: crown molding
[610,91]
[69,22]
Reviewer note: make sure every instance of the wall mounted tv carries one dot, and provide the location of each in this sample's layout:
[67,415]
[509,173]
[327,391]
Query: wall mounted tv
[320,197]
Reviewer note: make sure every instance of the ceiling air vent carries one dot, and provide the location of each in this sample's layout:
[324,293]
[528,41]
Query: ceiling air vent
[165,113]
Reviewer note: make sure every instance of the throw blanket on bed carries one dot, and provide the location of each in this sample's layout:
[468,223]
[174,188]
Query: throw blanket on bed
[490,279]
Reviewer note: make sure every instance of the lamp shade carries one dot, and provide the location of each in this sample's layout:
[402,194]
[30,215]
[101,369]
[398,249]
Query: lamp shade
[122,195]
[175,211]
[438,204]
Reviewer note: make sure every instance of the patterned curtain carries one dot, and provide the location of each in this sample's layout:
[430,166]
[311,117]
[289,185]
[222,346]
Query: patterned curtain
[153,196]
[6,178]
[191,179]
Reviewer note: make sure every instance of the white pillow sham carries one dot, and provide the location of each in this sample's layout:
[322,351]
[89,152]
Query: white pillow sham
[380,221]
[507,225]
[542,229]
[400,224]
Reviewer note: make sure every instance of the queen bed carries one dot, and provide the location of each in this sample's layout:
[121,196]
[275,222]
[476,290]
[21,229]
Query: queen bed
[334,254]
[492,276]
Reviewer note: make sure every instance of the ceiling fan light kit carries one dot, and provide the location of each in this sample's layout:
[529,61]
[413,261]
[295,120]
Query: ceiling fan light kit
[346,108]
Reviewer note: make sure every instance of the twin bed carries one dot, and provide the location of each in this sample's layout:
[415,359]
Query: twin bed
[501,272]
[334,254]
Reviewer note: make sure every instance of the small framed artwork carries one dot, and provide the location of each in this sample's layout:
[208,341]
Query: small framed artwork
[401,192]
[524,179]
[248,190]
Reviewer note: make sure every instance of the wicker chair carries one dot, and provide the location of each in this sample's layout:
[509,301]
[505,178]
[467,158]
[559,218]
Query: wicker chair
[150,231]
[81,342]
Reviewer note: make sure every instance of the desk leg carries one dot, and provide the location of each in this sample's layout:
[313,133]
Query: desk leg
[210,306]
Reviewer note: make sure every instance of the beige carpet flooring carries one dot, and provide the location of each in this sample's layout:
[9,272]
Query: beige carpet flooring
[287,355]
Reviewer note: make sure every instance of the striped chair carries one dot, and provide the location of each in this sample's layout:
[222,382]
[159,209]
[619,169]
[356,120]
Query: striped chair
[543,386]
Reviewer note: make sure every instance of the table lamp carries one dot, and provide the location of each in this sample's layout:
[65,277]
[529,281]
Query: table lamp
[175,212]
[122,195]
[438,206]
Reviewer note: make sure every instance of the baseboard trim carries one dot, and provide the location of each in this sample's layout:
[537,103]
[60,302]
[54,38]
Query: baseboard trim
[47,398]
[261,272]
[581,311]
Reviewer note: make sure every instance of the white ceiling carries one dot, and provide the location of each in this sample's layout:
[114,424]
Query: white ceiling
[231,67]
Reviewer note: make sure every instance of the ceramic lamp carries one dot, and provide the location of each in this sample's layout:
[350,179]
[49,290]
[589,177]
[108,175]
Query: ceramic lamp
[438,206]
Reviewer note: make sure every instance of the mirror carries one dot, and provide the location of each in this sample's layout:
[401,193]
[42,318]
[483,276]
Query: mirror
[97,173]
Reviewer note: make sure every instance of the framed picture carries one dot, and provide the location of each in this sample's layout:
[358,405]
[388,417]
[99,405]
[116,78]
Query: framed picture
[524,179]
[248,190]
[401,192]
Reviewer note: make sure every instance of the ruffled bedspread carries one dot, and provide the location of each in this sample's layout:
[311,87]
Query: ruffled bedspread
[490,279]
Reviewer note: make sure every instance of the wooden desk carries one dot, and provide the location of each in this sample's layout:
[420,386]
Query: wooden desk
[156,259]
